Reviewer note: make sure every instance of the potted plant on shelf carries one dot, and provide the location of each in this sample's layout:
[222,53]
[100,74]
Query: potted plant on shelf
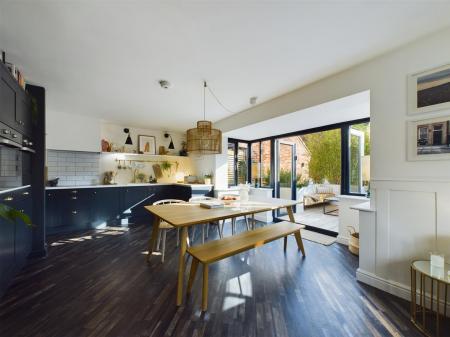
[208,179]
[183,151]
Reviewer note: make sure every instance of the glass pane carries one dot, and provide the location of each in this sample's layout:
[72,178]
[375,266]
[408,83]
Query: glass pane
[242,163]
[256,164]
[285,167]
[359,152]
[230,159]
[319,158]
[265,163]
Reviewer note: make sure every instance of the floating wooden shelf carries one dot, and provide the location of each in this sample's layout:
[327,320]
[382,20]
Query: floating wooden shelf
[144,155]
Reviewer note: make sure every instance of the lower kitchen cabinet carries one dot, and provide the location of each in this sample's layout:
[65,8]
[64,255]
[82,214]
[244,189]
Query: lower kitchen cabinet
[69,210]
[15,237]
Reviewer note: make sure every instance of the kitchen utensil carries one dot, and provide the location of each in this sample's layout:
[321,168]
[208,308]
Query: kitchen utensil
[157,170]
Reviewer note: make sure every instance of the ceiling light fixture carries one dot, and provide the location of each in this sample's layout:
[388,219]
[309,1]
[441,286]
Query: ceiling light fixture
[165,84]
[204,139]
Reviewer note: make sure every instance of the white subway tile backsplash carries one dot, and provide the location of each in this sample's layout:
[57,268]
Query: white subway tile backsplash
[73,168]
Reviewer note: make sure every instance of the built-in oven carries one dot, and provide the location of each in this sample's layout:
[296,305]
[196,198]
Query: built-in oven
[15,158]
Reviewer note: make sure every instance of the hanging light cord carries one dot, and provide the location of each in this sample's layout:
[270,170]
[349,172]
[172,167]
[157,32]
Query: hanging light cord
[215,97]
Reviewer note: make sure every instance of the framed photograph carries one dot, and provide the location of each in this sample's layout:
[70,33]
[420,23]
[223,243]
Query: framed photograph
[146,144]
[429,90]
[429,139]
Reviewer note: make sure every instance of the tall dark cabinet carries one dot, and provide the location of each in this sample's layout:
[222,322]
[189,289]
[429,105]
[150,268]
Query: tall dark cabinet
[37,179]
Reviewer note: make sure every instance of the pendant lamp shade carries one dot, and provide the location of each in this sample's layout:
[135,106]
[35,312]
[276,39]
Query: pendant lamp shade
[204,139]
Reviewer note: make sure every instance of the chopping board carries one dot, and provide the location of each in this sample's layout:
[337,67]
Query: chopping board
[157,171]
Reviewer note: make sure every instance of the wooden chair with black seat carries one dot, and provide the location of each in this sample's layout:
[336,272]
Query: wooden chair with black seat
[205,231]
[165,226]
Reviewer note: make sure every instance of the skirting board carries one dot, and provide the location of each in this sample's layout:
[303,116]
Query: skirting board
[392,287]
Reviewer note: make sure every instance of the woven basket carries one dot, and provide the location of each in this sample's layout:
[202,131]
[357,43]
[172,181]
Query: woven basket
[353,241]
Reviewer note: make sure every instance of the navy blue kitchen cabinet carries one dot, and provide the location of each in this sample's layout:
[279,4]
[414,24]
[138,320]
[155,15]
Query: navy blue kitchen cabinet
[15,237]
[105,206]
[70,210]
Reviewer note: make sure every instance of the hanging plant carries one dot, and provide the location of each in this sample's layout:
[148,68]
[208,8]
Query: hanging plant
[166,167]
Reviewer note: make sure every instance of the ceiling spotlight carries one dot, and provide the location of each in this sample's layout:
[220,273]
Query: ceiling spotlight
[165,84]
[253,100]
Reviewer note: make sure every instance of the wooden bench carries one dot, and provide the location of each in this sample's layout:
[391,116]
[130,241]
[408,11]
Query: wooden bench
[219,249]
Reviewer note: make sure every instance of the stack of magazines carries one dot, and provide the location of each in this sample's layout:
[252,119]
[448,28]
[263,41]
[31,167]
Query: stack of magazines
[211,204]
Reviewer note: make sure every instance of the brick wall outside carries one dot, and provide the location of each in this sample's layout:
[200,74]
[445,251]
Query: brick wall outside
[303,155]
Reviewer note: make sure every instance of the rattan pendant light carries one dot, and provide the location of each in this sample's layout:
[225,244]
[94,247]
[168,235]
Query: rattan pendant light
[204,139]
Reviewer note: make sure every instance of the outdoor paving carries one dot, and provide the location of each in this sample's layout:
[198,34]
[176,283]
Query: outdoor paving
[314,217]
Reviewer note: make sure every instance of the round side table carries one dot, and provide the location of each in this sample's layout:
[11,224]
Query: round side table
[431,298]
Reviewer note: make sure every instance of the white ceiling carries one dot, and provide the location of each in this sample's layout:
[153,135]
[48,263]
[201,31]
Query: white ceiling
[345,109]
[104,58]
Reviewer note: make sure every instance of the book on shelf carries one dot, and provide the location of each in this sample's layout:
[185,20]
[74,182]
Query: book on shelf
[16,73]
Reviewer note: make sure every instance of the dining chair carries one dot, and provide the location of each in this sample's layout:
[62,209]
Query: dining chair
[165,226]
[198,200]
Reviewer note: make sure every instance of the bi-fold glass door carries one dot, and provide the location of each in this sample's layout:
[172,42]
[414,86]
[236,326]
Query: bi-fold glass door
[285,182]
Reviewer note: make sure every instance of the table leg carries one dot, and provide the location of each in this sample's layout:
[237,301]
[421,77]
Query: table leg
[181,262]
[298,235]
[437,307]
[445,301]
[153,239]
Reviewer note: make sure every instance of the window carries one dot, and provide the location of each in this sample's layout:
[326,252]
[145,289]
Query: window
[242,163]
[423,132]
[231,164]
[260,163]
[359,158]
[255,156]
[265,164]
[237,154]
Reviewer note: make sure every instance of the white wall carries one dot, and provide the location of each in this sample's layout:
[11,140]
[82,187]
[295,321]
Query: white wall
[405,193]
[114,133]
[72,132]
[348,216]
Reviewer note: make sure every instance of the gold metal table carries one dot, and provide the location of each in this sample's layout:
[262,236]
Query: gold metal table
[430,310]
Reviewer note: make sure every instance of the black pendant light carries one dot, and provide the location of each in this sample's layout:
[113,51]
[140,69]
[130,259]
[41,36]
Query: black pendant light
[128,141]
[171,146]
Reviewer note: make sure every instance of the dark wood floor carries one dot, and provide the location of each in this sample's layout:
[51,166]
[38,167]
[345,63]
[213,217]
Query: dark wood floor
[97,284]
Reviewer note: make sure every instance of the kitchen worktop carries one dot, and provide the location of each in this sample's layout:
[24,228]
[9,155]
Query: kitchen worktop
[9,190]
[193,186]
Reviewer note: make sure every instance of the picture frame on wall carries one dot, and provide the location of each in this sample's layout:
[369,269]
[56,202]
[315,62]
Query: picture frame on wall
[429,90]
[429,139]
[146,144]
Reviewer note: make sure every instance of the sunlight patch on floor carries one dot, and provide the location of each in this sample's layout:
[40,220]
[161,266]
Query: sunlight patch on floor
[230,302]
[240,285]
[99,233]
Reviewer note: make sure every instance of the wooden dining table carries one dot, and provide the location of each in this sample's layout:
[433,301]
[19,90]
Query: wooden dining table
[184,215]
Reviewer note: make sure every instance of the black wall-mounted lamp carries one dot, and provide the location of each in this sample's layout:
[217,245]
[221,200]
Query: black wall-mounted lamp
[171,147]
[128,141]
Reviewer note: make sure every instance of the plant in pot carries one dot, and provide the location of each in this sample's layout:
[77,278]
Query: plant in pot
[183,151]
[208,179]
[166,167]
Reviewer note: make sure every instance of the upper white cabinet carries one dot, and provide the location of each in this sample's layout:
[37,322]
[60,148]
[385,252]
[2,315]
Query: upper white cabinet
[72,132]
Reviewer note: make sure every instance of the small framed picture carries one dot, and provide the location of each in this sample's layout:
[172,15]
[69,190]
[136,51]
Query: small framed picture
[429,90]
[146,144]
[429,139]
